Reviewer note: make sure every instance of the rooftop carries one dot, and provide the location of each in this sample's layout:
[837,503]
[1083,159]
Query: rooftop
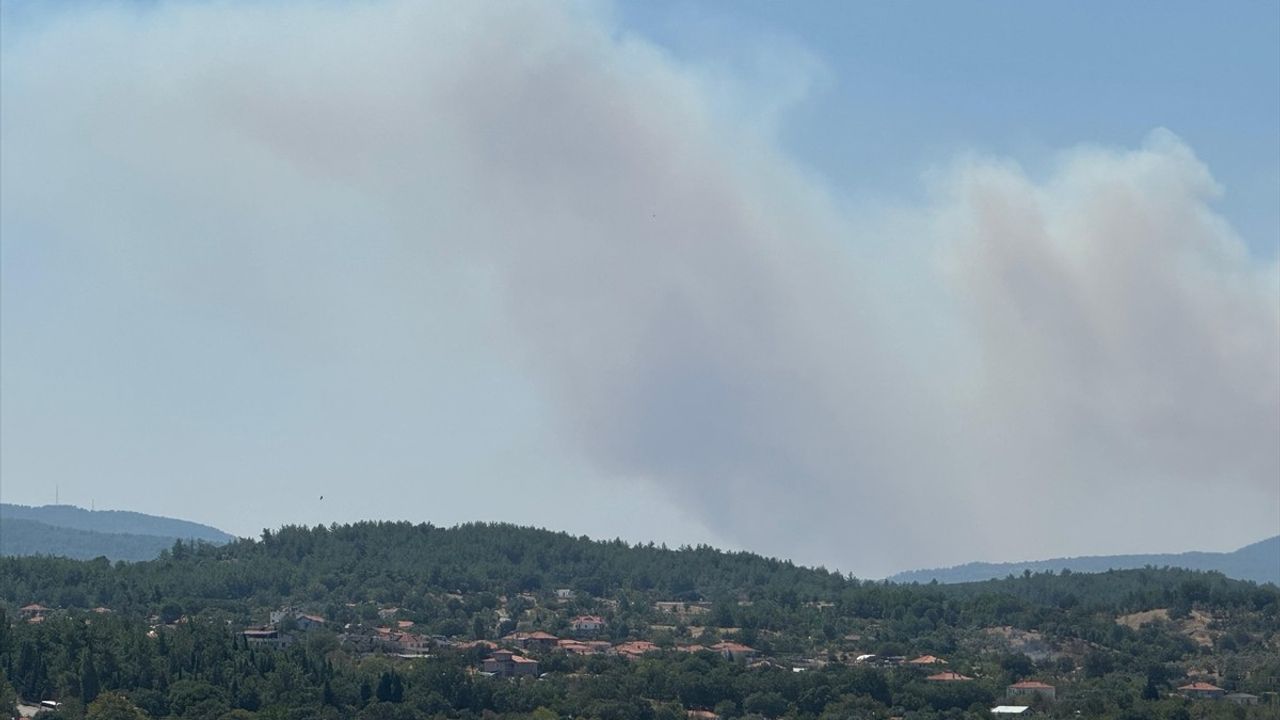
[948,677]
[1202,687]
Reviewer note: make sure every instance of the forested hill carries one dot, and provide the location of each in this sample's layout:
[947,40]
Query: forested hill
[1259,562]
[383,621]
[68,531]
[28,537]
[397,562]
[114,521]
[395,559]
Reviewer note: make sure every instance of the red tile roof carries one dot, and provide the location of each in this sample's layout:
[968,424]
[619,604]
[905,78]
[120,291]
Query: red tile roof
[579,648]
[927,660]
[1201,686]
[637,647]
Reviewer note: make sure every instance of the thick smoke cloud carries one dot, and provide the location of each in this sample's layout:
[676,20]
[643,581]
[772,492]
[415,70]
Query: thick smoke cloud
[1074,360]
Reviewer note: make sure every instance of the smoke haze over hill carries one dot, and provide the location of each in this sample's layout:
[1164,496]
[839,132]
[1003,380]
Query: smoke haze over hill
[257,255]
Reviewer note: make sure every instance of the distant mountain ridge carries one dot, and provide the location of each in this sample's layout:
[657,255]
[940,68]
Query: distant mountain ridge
[1259,562]
[114,521]
[28,537]
[74,532]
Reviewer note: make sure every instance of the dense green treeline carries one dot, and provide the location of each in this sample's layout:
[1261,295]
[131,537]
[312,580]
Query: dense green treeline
[385,562]
[197,670]
[169,647]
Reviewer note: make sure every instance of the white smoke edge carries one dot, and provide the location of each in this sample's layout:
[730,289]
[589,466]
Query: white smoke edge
[799,406]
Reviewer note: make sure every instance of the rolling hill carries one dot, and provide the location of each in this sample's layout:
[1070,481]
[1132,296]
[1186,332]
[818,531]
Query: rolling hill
[1259,562]
[73,532]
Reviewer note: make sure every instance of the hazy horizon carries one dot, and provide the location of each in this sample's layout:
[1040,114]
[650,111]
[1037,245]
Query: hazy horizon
[1013,561]
[876,287]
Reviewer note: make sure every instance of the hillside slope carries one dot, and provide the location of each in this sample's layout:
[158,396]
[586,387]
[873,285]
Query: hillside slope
[68,531]
[378,594]
[1259,562]
[114,521]
[28,537]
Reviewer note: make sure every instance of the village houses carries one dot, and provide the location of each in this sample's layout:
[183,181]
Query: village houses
[1029,689]
[587,624]
[504,663]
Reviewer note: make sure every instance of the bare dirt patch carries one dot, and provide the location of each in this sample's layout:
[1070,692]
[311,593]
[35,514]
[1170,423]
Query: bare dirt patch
[1194,626]
[1137,620]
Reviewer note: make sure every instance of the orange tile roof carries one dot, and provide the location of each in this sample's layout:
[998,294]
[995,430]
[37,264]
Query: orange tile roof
[928,660]
[574,646]
[1202,686]
[637,647]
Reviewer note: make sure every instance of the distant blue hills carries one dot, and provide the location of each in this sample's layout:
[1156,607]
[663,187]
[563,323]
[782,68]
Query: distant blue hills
[74,532]
[1259,562]
[70,531]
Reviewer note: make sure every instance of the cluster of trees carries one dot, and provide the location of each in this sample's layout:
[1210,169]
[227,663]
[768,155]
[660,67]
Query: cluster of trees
[453,581]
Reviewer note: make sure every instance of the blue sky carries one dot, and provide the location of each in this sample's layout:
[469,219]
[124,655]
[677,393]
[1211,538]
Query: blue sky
[752,274]
[905,84]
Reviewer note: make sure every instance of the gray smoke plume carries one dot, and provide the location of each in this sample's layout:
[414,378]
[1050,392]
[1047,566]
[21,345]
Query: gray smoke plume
[1070,361]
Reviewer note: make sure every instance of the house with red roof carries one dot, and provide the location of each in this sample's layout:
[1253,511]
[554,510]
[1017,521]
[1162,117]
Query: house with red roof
[1031,688]
[1202,691]
[587,624]
[733,650]
[927,660]
[307,622]
[34,610]
[635,648]
[504,663]
[536,640]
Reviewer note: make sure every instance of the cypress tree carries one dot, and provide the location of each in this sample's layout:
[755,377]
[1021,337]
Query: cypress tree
[88,678]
